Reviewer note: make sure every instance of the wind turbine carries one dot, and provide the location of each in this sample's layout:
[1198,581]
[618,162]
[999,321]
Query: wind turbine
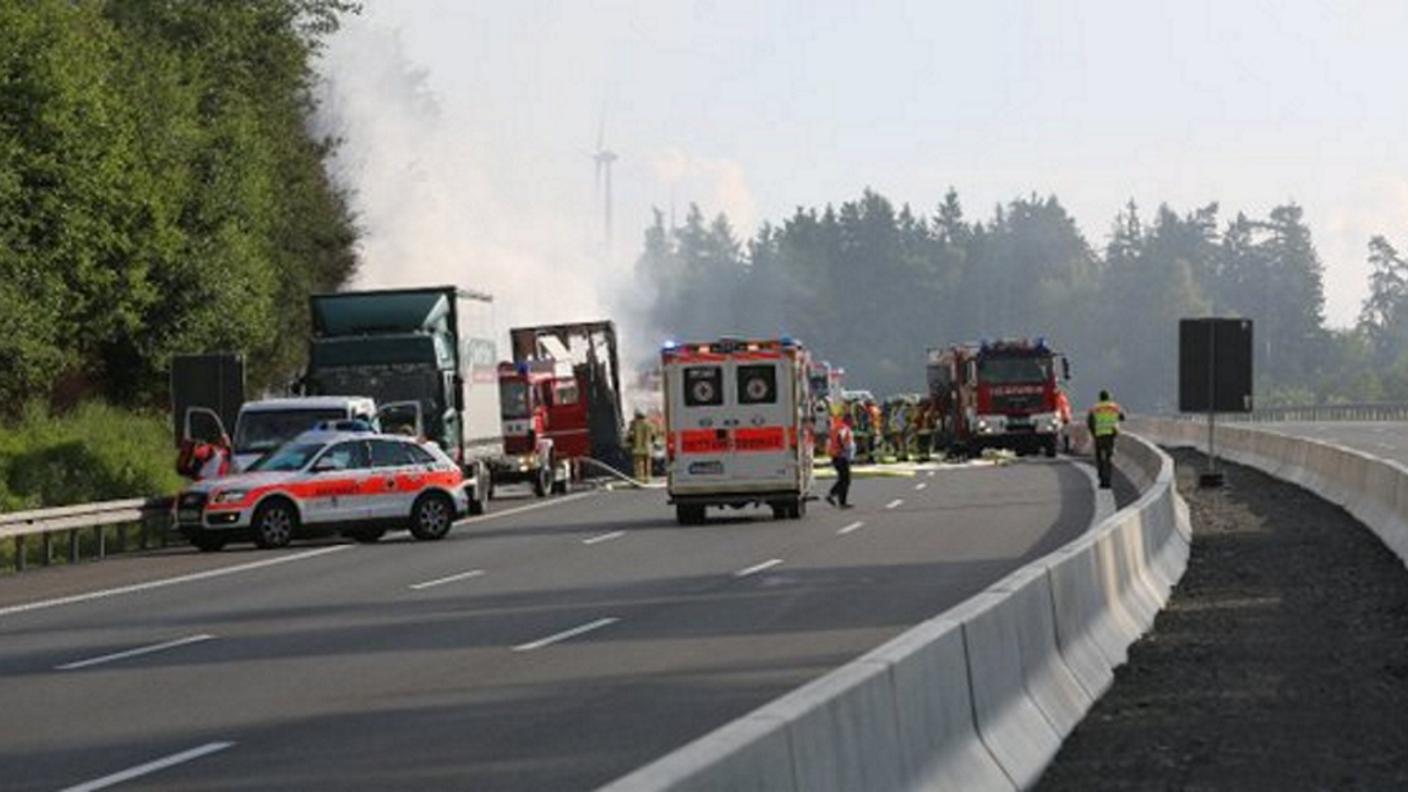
[604,158]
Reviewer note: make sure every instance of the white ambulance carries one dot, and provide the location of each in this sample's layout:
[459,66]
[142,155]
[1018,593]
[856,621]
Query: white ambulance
[738,426]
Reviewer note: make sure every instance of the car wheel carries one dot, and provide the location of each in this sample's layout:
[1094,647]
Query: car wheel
[689,513]
[432,517]
[274,524]
[208,542]
[367,535]
[1051,448]
[797,509]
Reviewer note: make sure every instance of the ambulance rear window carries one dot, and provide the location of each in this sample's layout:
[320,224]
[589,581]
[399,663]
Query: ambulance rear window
[703,386]
[757,384]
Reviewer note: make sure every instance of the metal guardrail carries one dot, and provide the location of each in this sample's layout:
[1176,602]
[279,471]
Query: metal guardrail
[1365,411]
[152,515]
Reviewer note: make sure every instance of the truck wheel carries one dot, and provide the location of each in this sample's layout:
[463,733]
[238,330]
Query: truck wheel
[797,509]
[367,535]
[780,510]
[540,482]
[274,524]
[208,541]
[1051,448]
[432,517]
[561,487]
[689,514]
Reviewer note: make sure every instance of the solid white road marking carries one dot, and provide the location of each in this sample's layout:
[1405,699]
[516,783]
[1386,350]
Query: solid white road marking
[606,537]
[769,564]
[921,485]
[135,587]
[894,503]
[852,527]
[520,509]
[108,658]
[150,767]
[565,634]
[473,573]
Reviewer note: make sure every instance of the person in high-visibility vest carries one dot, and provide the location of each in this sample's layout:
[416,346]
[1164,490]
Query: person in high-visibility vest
[1104,423]
[843,452]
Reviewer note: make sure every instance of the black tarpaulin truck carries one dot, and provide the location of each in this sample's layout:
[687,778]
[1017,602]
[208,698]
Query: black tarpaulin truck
[431,347]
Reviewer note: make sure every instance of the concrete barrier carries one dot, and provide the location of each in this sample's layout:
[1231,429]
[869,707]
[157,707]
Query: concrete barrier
[978,698]
[1009,722]
[1373,489]
[937,735]
[1051,683]
[844,730]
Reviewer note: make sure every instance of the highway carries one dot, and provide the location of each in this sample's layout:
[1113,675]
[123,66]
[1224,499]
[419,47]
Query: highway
[550,645]
[1383,439]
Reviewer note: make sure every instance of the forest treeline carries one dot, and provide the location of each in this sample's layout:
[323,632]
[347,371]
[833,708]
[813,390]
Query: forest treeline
[870,287]
[160,191]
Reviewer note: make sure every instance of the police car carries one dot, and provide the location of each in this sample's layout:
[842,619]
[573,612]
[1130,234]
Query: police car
[329,480]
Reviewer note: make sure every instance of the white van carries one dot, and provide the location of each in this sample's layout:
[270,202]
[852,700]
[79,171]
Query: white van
[738,426]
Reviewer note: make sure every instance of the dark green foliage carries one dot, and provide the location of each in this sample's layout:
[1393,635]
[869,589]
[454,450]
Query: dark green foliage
[93,453]
[159,191]
[870,288]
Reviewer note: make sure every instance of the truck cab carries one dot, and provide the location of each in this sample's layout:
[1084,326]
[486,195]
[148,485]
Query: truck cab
[540,408]
[738,426]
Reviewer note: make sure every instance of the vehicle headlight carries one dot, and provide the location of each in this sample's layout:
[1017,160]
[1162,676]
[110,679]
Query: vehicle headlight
[231,496]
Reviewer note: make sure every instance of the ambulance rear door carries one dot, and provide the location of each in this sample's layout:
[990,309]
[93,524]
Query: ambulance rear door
[698,412]
[764,387]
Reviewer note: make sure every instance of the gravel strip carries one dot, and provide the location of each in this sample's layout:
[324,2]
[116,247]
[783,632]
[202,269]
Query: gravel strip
[1281,662]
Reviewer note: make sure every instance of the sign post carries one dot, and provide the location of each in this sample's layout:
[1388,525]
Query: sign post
[1214,375]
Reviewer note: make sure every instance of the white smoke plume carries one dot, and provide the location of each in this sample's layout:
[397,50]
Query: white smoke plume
[435,205]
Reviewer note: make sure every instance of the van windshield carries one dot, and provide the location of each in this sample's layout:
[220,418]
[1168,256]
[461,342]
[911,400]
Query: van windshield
[258,431]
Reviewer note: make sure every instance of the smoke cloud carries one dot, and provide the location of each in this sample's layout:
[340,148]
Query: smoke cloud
[437,204]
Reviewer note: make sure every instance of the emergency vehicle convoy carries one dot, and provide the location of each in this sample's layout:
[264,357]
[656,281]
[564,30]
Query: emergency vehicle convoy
[325,481]
[738,426]
[1000,394]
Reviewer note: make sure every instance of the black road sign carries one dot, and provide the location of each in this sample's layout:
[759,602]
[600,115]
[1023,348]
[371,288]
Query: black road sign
[1215,365]
[215,382]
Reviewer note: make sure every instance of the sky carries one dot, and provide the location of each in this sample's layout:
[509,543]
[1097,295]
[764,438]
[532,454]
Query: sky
[467,127]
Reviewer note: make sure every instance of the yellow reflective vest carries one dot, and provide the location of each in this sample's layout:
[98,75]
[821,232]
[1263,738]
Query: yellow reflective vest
[1105,418]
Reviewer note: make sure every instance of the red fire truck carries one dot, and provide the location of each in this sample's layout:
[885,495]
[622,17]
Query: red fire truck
[545,425]
[560,401]
[998,394]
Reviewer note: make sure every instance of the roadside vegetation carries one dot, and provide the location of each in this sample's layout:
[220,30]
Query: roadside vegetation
[159,192]
[91,453]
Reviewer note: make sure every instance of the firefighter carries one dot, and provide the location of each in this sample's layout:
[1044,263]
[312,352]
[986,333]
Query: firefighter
[642,439]
[1103,421]
[843,452]
[877,430]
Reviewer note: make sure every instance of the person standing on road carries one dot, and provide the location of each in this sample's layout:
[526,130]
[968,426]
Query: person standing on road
[843,450]
[642,438]
[1103,421]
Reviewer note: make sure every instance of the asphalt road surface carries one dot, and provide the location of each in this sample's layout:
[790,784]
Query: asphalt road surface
[1384,439]
[550,645]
